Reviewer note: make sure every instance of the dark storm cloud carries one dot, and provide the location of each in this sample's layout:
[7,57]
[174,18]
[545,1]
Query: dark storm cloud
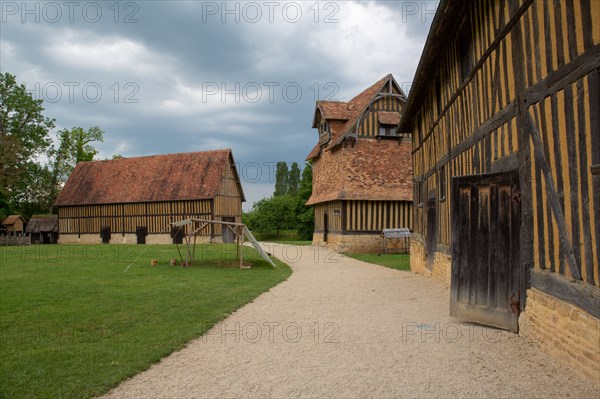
[164,77]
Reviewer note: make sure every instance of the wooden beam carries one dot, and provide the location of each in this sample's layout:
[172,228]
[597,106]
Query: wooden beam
[582,295]
[553,198]
[497,41]
[564,76]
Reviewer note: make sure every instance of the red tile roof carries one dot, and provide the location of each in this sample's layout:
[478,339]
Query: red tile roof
[12,219]
[369,170]
[170,177]
[348,112]
[388,118]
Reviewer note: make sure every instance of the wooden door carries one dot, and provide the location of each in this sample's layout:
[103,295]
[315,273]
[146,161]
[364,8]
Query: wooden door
[141,232]
[177,233]
[486,272]
[431,237]
[325,226]
[228,236]
[105,234]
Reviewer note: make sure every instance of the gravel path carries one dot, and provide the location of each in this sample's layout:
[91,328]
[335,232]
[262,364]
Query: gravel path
[341,328]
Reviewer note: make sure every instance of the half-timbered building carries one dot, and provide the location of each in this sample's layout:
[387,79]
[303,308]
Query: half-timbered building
[15,225]
[362,174]
[134,200]
[505,115]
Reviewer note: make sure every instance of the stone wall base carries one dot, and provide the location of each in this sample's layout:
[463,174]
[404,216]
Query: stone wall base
[118,238]
[564,331]
[353,243]
[441,267]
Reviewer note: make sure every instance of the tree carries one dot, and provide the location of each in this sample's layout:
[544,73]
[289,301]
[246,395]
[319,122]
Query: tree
[24,136]
[293,180]
[74,146]
[305,215]
[281,179]
[272,214]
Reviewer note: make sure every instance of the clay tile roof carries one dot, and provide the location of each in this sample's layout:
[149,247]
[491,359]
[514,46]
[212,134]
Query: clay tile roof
[349,112]
[389,118]
[12,219]
[376,171]
[334,110]
[42,224]
[185,176]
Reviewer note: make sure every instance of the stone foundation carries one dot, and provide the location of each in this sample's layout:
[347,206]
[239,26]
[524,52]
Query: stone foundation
[564,331]
[355,243]
[442,263]
[118,238]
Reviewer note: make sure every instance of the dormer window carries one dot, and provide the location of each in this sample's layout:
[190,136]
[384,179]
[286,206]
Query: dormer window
[387,130]
[324,133]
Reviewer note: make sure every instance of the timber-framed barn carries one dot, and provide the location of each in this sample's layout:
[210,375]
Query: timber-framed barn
[505,115]
[134,200]
[362,169]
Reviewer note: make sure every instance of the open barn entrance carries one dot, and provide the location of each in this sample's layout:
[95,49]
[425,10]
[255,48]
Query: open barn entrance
[228,235]
[486,272]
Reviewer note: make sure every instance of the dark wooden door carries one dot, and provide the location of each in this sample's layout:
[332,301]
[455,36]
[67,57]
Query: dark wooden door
[141,233]
[228,236]
[325,226]
[177,234]
[431,238]
[105,234]
[486,272]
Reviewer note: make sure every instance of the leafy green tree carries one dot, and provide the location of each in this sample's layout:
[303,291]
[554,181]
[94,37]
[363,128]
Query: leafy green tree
[293,180]
[24,136]
[305,215]
[281,179]
[272,214]
[74,146]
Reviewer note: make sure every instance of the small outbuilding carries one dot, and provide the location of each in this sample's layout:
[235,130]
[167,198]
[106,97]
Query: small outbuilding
[43,229]
[15,226]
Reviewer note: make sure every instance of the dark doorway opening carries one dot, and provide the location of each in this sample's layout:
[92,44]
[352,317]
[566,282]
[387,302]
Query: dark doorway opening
[431,237]
[105,234]
[141,232]
[177,234]
[227,234]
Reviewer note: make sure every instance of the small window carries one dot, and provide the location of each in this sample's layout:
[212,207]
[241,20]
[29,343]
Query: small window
[387,130]
[324,133]
[465,48]
[442,182]
[418,194]
[336,212]
[438,96]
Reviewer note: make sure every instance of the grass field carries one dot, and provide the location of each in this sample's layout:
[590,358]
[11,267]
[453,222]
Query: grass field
[289,237]
[394,261]
[77,320]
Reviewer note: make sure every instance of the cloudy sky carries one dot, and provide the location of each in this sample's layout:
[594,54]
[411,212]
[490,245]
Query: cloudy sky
[178,76]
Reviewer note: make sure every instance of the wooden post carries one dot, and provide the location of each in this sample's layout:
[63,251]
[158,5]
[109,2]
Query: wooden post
[242,252]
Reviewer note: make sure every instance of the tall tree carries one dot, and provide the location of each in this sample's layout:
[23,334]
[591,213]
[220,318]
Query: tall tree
[24,136]
[293,180]
[74,146]
[281,179]
[305,215]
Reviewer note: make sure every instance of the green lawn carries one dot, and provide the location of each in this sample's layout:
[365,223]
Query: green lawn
[291,242]
[77,320]
[289,237]
[395,261]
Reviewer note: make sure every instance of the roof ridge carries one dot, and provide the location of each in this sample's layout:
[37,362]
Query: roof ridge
[158,155]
